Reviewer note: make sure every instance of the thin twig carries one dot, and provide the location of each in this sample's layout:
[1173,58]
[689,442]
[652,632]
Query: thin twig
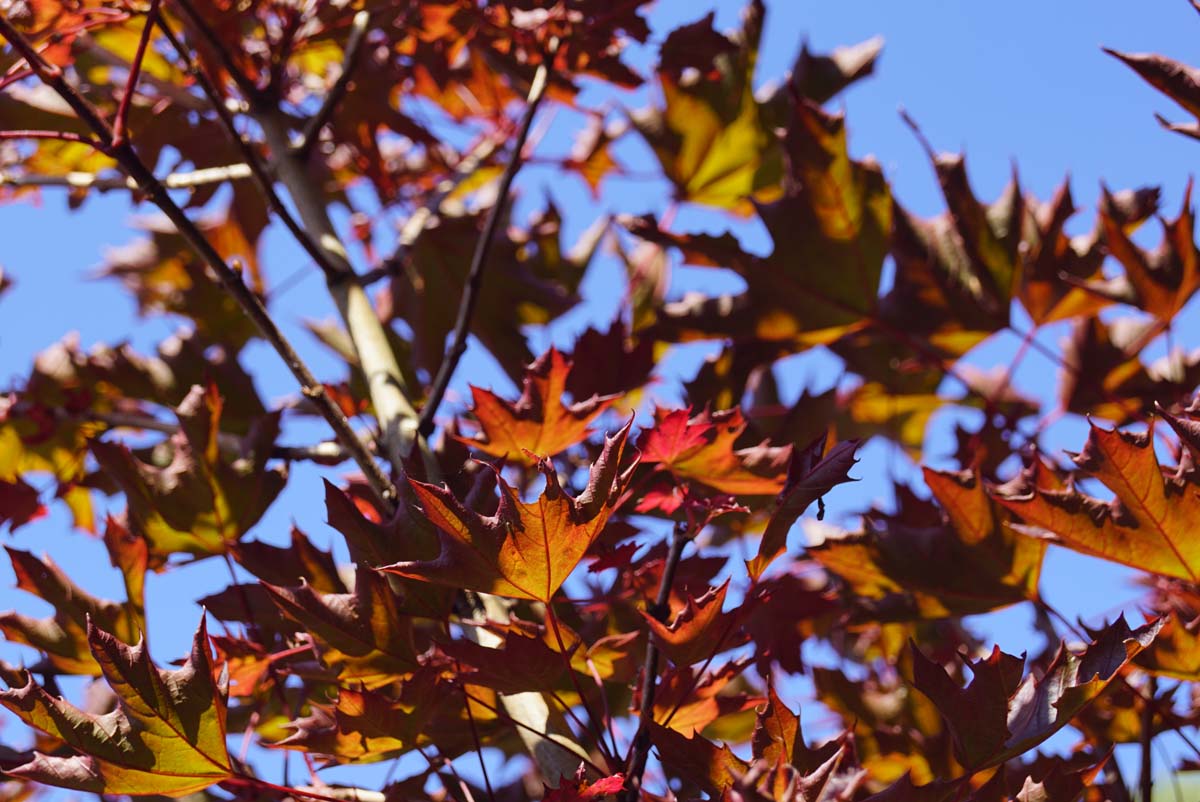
[62,136]
[542,735]
[312,129]
[135,72]
[230,279]
[487,782]
[596,727]
[327,452]
[639,750]
[483,247]
[1147,770]
[249,91]
[416,223]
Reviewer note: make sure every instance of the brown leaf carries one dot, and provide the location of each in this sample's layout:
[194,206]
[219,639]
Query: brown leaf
[1000,715]
[1147,525]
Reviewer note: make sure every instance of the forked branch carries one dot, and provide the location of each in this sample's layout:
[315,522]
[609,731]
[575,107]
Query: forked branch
[229,278]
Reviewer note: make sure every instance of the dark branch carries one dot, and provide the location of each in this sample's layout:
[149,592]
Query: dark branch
[639,751]
[470,296]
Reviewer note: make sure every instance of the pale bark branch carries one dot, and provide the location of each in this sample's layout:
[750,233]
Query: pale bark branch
[188,179]
[388,390]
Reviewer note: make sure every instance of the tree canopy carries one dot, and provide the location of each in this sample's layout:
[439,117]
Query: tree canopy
[612,580]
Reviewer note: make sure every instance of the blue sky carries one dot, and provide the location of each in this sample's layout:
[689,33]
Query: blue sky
[1021,83]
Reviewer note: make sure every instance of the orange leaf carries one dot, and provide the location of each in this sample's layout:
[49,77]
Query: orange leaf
[699,629]
[1150,523]
[701,448]
[538,424]
[527,549]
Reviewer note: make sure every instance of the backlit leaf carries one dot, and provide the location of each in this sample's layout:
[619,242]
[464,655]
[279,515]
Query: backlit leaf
[167,735]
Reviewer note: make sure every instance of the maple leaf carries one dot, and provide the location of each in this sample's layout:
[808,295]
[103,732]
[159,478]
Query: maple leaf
[895,730]
[1161,281]
[521,664]
[167,735]
[525,550]
[364,726]
[1176,650]
[839,777]
[363,634]
[1106,377]
[19,503]
[200,503]
[165,276]
[64,636]
[701,448]
[698,628]
[534,280]
[690,699]
[812,473]
[1147,525]
[288,566]
[1053,264]
[540,423]
[1176,80]
[712,136]
[579,789]
[592,157]
[614,366]
[830,232]
[1000,715]
[714,769]
[898,562]
[787,609]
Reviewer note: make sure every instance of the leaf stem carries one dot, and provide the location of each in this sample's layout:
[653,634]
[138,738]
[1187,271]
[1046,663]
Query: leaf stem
[1147,741]
[487,782]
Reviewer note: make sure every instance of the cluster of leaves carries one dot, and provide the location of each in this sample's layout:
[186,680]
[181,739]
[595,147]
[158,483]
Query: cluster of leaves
[578,579]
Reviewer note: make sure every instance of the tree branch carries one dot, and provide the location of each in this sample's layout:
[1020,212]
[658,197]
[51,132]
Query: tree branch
[230,279]
[258,170]
[312,129]
[101,183]
[135,72]
[639,751]
[419,219]
[470,296]
[328,452]
[386,385]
